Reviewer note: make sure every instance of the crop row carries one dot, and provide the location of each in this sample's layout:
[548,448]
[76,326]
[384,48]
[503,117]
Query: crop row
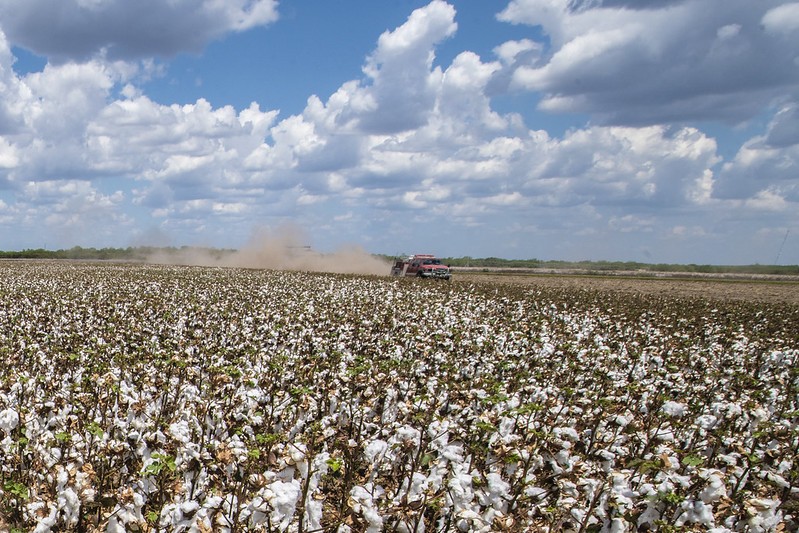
[162,398]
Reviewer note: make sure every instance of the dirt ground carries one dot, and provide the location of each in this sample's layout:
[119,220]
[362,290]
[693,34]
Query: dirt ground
[754,290]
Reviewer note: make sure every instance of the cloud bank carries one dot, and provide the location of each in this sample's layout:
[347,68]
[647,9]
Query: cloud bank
[412,155]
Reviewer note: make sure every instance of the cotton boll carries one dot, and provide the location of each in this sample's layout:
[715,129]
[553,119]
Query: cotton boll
[675,409]
[617,525]
[9,420]
[408,436]
[608,458]
[682,481]
[567,433]
[171,516]
[622,420]
[776,479]
[715,489]
[115,526]
[706,421]
[731,459]
[189,507]
[505,429]
[239,449]
[758,415]
[666,434]
[313,506]
[129,508]
[412,491]
[51,457]
[180,431]
[452,453]
[69,506]
[46,524]
[695,512]
[362,501]
[763,515]
[375,451]
[649,516]
[566,460]
[577,514]
[498,491]
[283,498]
[35,508]
[460,490]
[83,483]
[201,523]
[466,518]
[621,493]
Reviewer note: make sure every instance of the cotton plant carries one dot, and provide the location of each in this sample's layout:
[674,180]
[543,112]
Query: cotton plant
[146,397]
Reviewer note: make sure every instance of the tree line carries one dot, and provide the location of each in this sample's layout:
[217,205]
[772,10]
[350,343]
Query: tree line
[142,253]
[131,253]
[497,263]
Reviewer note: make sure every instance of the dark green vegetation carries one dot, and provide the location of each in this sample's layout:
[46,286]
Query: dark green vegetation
[154,398]
[615,266]
[139,253]
[143,253]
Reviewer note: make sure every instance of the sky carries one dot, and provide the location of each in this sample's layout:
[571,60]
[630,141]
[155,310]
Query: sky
[659,131]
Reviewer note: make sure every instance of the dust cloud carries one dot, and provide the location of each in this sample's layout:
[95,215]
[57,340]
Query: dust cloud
[282,249]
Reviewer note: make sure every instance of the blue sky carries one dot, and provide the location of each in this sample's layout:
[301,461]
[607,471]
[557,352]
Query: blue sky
[657,130]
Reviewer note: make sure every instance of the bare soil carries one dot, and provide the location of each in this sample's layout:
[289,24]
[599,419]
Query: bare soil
[761,289]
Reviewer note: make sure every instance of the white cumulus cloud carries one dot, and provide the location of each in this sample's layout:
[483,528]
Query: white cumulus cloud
[669,62]
[66,30]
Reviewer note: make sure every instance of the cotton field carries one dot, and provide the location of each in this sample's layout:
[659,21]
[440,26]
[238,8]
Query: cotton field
[163,398]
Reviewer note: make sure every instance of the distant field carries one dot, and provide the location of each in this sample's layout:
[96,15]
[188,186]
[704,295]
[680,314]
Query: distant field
[748,287]
[620,267]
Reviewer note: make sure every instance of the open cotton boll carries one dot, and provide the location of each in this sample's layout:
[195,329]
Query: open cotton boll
[665,434]
[46,524]
[763,514]
[695,512]
[472,522]
[622,420]
[408,436]
[622,495]
[777,479]
[675,409]
[417,487]
[617,525]
[8,445]
[567,433]
[283,497]
[706,421]
[649,516]
[115,526]
[313,506]
[460,491]
[715,489]
[9,420]
[496,493]
[180,431]
[68,501]
[375,450]
[362,501]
